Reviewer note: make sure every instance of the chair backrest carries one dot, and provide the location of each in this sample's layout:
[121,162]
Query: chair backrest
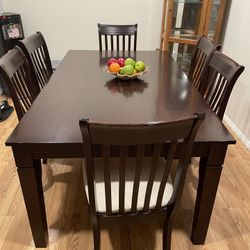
[117,37]
[35,49]
[143,140]
[218,81]
[16,72]
[202,54]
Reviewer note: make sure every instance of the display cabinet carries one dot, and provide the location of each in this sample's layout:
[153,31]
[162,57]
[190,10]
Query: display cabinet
[184,21]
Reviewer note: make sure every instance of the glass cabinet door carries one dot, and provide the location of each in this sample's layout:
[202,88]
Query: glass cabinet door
[186,26]
[215,19]
[182,53]
[186,20]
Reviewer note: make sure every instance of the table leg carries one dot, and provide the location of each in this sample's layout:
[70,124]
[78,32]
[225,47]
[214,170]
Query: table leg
[209,175]
[31,184]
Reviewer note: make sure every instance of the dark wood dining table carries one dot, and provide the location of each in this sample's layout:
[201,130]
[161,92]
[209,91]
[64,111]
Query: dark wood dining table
[81,88]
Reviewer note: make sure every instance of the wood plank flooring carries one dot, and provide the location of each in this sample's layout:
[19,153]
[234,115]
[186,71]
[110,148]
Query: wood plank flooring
[69,223]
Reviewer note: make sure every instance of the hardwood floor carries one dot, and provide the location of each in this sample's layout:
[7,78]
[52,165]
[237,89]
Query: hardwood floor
[68,220]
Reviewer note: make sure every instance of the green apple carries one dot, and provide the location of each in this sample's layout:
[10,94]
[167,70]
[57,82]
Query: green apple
[139,66]
[122,71]
[127,70]
[130,61]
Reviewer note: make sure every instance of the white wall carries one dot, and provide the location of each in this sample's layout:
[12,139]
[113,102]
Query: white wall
[237,46]
[73,24]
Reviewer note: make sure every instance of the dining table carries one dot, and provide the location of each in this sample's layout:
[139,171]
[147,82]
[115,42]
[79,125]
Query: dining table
[81,87]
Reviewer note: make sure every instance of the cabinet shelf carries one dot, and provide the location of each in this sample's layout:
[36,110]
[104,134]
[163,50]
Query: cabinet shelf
[189,1]
[183,35]
[215,2]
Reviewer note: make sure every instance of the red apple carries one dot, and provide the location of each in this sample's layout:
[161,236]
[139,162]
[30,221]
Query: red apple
[111,60]
[121,61]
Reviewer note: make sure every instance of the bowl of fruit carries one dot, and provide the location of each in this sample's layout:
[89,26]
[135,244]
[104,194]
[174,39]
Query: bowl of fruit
[126,69]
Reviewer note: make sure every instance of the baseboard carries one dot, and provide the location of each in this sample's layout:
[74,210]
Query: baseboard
[237,131]
[55,63]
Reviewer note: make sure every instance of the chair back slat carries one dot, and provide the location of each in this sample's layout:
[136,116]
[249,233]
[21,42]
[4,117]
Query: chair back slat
[39,69]
[139,165]
[123,43]
[90,169]
[122,167]
[112,42]
[129,43]
[201,58]
[117,43]
[216,90]
[218,81]
[35,49]
[106,158]
[42,60]
[100,42]
[135,41]
[22,90]
[21,93]
[17,74]
[166,172]
[123,34]
[202,54]
[142,137]
[36,68]
[218,97]
[154,165]
[106,42]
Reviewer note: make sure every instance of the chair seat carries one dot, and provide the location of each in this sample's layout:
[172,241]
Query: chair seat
[129,177]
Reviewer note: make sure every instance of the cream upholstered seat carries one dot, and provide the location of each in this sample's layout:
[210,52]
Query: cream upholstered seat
[130,172]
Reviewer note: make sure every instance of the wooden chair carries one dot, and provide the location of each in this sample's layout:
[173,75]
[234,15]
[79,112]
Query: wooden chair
[35,49]
[218,81]
[21,82]
[126,189]
[202,54]
[122,37]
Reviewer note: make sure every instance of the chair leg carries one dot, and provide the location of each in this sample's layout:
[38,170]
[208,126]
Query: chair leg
[167,231]
[96,234]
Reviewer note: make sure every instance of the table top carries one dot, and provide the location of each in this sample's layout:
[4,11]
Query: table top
[80,88]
